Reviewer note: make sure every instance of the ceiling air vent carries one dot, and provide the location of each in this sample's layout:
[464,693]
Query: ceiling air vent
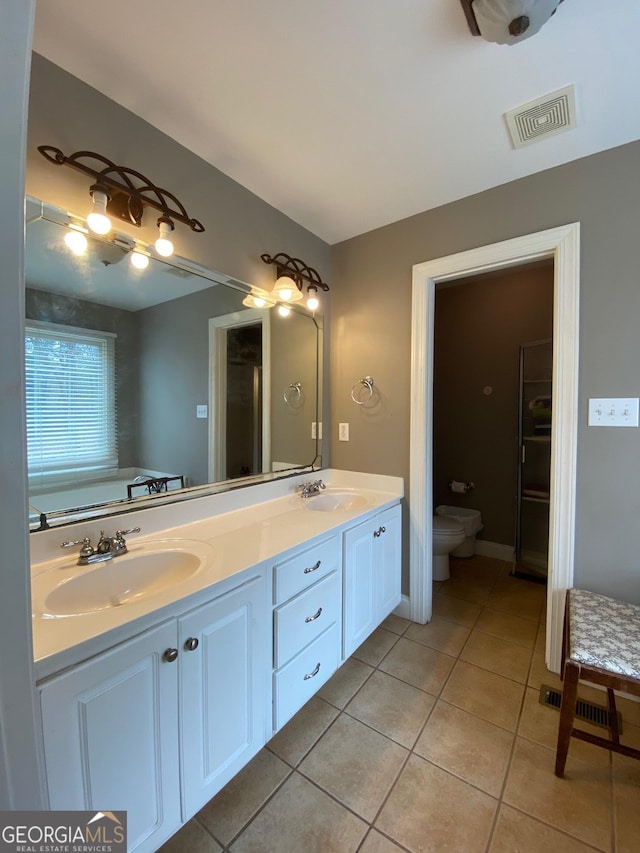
[543,117]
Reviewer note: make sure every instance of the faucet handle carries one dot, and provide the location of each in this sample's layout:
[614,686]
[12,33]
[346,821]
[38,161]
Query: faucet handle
[121,533]
[85,551]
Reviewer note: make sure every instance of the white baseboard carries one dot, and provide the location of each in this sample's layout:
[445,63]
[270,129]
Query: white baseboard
[495,549]
[404,608]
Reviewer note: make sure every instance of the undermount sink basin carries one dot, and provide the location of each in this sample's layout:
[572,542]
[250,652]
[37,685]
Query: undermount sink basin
[329,500]
[144,571]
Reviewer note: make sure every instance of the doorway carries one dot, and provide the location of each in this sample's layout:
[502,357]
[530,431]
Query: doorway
[239,394]
[561,245]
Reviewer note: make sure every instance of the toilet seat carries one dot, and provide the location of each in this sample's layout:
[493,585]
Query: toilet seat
[447,528]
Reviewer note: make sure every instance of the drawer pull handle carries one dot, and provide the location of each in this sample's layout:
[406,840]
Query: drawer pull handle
[314,617]
[379,531]
[314,673]
[313,568]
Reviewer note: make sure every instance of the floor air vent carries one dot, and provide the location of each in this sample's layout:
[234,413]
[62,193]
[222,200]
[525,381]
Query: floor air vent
[589,712]
[542,118]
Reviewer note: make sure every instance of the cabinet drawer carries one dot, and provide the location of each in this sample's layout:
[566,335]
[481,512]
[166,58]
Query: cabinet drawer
[305,617]
[296,683]
[305,568]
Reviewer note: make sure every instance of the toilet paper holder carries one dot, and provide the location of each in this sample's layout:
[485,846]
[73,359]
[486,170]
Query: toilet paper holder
[460,487]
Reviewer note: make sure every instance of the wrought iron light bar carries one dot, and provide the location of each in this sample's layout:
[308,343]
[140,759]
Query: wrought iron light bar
[297,270]
[128,192]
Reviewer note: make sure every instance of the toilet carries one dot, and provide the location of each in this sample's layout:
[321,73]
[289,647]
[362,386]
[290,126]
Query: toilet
[447,535]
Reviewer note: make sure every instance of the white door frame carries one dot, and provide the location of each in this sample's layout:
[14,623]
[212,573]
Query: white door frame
[218,328]
[563,246]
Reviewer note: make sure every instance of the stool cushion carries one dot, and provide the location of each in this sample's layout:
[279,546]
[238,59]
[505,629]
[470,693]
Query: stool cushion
[604,633]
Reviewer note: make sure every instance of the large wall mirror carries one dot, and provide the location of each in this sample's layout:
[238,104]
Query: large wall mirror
[154,384]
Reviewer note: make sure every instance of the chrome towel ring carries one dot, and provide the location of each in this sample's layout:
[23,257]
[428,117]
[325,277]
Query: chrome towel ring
[357,395]
[293,392]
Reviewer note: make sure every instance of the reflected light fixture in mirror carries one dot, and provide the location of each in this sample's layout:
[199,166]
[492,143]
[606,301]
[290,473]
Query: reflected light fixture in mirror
[76,241]
[124,193]
[294,276]
[139,259]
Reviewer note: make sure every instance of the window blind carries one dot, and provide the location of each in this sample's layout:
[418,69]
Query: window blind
[71,403]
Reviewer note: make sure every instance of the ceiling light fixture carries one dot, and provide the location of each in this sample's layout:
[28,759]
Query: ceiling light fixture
[294,276]
[124,193]
[507,21]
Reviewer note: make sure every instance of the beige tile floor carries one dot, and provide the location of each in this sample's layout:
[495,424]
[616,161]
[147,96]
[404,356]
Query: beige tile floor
[431,738]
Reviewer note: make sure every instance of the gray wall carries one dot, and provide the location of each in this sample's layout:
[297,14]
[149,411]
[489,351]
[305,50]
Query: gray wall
[293,359]
[371,315]
[479,326]
[174,378]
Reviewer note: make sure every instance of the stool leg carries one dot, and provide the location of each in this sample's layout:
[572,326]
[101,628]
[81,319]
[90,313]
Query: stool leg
[567,713]
[613,716]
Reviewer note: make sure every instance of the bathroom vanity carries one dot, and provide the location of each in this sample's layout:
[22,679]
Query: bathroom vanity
[162,672]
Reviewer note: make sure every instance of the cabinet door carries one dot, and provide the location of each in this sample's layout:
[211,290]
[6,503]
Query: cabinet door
[224,690]
[110,729]
[388,561]
[360,609]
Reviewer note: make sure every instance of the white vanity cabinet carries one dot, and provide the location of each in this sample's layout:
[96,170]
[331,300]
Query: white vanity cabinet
[307,625]
[110,729]
[224,685]
[163,719]
[372,575]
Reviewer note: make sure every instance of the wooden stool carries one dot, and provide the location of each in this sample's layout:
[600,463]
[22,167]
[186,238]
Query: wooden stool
[601,645]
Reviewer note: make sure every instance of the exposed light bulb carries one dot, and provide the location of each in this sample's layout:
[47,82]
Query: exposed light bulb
[284,310]
[313,303]
[97,219]
[139,260]
[164,246]
[76,241]
[259,302]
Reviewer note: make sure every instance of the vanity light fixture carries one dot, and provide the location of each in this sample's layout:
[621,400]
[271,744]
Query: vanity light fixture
[284,310]
[258,298]
[97,219]
[294,276]
[124,193]
[164,246]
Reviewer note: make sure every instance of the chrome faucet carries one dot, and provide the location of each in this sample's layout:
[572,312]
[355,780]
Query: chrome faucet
[107,548]
[310,488]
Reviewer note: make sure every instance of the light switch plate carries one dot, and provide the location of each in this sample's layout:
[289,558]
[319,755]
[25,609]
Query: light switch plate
[202,410]
[343,432]
[613,411]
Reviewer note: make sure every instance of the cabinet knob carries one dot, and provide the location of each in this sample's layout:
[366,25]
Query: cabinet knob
[170,655]
[191,644]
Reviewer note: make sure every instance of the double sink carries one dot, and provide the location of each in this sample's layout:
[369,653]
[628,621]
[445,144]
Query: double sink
[147,569]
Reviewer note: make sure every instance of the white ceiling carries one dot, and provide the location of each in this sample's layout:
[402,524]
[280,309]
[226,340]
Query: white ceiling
[351,114]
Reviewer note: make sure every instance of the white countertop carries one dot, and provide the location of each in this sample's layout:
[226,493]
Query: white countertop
[253,532]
